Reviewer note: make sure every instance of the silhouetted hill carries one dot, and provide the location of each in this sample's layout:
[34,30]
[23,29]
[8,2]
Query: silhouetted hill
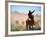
[15,12]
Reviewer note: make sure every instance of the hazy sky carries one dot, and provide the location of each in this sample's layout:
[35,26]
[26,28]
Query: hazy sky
[25,9]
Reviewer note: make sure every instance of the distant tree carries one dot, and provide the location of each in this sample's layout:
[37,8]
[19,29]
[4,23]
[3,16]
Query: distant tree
[17,22]
[23,22]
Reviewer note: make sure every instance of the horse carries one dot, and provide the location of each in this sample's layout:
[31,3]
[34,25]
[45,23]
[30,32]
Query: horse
[30,21]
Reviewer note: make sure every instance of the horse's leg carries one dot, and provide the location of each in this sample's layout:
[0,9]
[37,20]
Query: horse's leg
[29,27]
[26,26]
[32,26]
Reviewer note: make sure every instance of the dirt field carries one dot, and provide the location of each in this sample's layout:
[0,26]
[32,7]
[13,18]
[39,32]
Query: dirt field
[18,22]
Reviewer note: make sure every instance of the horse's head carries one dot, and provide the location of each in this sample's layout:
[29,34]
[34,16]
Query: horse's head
[30,13]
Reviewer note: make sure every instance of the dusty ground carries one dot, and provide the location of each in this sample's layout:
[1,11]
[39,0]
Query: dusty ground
[18,22]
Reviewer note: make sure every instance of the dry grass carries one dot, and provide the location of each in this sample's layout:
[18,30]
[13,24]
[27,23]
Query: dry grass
[18,22]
